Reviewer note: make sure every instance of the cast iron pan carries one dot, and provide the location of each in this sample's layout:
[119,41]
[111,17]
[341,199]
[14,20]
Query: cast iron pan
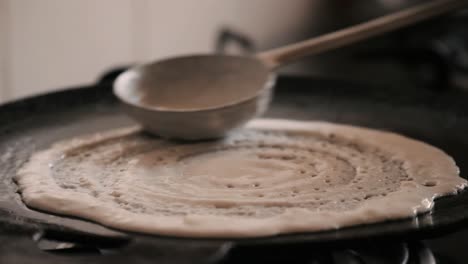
[439,118]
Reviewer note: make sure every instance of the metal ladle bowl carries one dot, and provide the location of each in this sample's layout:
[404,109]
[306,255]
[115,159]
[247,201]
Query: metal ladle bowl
[196,97]
[206,96]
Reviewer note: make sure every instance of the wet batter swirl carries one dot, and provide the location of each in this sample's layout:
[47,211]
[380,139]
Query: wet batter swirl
[273,177]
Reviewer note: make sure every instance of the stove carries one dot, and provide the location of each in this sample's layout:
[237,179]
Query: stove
[28,236]
[446,249]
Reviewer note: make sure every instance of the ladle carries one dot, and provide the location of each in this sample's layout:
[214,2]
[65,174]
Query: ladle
[206,96]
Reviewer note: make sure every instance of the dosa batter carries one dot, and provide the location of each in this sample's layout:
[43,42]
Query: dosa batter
[272,177]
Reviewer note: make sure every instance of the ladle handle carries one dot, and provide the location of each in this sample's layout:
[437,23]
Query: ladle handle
[283,55]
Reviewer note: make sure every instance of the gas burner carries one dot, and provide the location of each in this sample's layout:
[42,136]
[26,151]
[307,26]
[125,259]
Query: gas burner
[414,252]
[372,253]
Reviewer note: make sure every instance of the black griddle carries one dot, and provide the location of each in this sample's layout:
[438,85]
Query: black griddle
[437,117]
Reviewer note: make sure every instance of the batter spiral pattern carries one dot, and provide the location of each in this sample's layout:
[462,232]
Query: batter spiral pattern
[274,177]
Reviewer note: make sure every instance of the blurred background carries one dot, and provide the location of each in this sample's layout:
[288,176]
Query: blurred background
[53,44]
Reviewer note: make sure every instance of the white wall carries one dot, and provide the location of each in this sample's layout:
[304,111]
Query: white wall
[3,49]
[51,44]
[56,43]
